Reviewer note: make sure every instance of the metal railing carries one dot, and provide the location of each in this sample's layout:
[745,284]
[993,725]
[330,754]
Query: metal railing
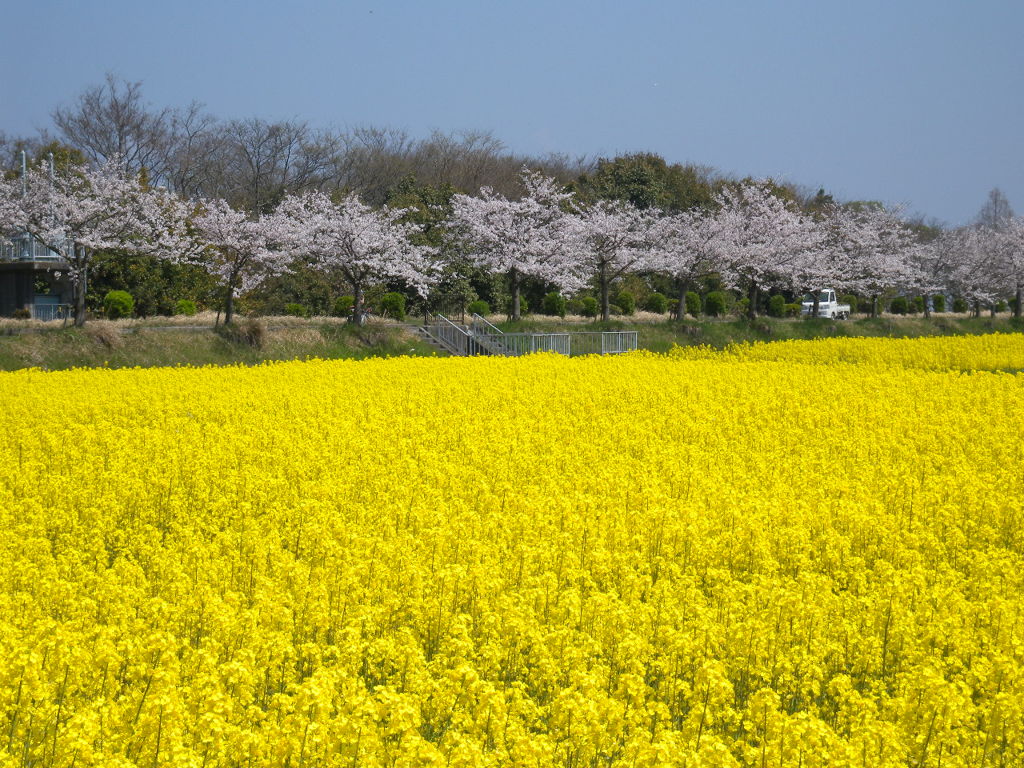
[484,338]
[460,340]
[516,344]
[24,247]
[603,342]
[615,342]
[570,344]
[489,336]
[452,337]
[47,312]
[480,325]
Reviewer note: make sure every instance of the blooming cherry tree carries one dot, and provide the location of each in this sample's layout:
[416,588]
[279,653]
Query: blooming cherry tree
[977,270]
[763,240]
[685,246]
[877,251]
[1011,260]
[821,266]
[236,249]
[930,270]
[80,212]
[355,241]
[614,238]
[532,236]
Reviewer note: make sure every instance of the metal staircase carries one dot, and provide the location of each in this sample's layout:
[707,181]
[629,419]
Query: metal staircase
[479,337]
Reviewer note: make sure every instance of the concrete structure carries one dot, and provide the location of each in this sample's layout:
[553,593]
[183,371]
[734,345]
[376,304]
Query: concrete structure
[33,278]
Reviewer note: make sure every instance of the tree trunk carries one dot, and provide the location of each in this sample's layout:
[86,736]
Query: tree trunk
[605,302]
[516,313]
[229,305]
[684,288]
[752,301]
[357,306]
[1016,305]
[78,286]
[79,307]
[927,307]
[977,307]
[874,306]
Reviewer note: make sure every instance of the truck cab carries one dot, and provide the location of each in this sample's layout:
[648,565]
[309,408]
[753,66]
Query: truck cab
[828,305]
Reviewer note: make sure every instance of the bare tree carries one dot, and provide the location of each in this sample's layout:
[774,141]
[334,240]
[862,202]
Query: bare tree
[996,213]
[467,160]
[195,157]
[263,161]
[372,160]
[113,121]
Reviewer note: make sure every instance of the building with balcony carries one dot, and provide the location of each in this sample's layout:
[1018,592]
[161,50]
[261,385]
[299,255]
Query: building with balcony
[33,278]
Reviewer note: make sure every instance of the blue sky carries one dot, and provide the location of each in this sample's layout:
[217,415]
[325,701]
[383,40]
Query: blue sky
[906,101]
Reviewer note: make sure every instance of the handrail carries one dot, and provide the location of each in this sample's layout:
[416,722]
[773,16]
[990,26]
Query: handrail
[482,321]
[571,344]
[451,335]
[460,340]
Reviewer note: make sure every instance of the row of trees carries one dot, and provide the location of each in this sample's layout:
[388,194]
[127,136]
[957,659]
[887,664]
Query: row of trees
[752,238]
[134,193]
[254,163]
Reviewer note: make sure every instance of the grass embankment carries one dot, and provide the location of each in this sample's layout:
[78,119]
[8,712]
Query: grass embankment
[658,335]
[116,345]
[194,341]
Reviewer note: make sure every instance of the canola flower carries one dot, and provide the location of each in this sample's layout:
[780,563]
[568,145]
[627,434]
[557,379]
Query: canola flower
[805,554]
[990,352]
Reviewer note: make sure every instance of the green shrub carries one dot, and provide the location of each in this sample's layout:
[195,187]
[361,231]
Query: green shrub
[715,303]
[574,306]
[657,303]
[693,304]
[478,307]
[792,310]
[741,306]
[344,305]
[393,305]
[554,303]
[589,306]
[117,304]
[851,300]
[185,307]
[939,303]
[917,304]
[673,307]
[626,303]
[295,310]
[899,305]
[777,305]
[1000,306]
[524,307]
[959,305]
[22,314]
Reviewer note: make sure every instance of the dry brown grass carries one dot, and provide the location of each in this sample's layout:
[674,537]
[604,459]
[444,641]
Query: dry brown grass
[107,332]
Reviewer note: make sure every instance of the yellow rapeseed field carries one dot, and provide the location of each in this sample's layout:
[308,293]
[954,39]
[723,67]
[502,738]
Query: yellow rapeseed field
[800,554]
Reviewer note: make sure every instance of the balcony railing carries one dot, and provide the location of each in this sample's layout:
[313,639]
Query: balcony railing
[26,248]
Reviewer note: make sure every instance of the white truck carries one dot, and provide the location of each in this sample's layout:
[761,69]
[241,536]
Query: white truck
[827,306]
